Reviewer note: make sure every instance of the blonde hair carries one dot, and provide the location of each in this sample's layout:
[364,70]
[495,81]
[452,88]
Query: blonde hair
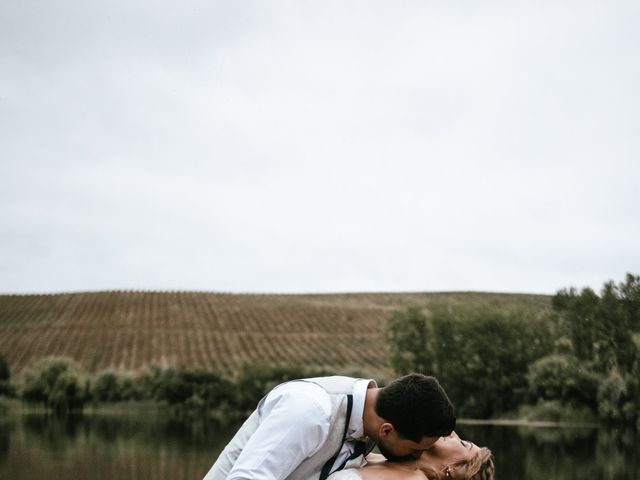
[479,467]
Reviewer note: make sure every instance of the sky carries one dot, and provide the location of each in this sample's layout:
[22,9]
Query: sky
[317,147]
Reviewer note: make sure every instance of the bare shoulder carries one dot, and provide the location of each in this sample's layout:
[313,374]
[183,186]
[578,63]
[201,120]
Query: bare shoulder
[389,471]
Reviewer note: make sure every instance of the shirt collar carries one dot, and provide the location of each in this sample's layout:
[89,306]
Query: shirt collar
[356,425]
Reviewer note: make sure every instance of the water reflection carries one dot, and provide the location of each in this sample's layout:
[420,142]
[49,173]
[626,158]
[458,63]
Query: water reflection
[101,447]
[155,448]
[549,453]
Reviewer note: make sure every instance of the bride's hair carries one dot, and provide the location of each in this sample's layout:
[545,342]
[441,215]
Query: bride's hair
[479,467]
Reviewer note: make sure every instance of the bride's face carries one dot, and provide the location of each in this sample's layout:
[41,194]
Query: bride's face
[448,450]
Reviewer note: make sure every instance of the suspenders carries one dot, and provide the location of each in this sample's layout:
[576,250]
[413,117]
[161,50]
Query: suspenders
[326,469]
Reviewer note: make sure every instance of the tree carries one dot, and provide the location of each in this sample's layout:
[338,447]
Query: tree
[483,355]
[6,388]
[407,335]
[601,328]
[106,388]
[604,331]
[57,383]
[5,373]
[479,354]
[255,381]
[561,377]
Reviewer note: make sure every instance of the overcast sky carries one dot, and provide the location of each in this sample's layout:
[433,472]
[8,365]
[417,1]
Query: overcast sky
[323,146]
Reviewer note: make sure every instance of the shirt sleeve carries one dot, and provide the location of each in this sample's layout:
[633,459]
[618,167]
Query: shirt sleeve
[294,424]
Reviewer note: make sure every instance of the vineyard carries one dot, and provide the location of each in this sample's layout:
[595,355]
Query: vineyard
[127,331]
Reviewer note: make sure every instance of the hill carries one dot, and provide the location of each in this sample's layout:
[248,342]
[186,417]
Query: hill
[127,331]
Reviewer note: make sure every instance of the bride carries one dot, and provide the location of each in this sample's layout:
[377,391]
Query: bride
[450,458]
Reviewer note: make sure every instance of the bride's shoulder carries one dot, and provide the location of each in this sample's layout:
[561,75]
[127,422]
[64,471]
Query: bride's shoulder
[346,474]
[419,475]
[390,471]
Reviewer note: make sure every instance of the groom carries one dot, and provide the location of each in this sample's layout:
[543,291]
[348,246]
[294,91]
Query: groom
[307,429]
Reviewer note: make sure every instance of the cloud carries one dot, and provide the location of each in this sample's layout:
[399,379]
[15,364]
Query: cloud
[296,146]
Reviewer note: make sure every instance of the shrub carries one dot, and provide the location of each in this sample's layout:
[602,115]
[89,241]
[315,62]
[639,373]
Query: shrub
[407,334]
[618,400]
[132,388]
[564,378]
[6,388]
[177,386]
[107,387]
[56,382]
[255,381]
[5,373]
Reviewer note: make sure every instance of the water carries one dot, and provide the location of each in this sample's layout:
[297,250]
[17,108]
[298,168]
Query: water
[108,447]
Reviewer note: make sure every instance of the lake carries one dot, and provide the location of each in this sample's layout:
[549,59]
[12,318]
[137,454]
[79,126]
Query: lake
[99,447]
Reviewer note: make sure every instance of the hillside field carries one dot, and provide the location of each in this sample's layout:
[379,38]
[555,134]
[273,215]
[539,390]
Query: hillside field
[127,331]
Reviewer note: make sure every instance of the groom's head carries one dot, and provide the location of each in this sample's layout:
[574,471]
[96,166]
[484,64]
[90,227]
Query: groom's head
[415,411]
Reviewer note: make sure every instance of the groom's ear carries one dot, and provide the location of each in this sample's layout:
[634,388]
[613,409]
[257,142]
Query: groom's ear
[385,429]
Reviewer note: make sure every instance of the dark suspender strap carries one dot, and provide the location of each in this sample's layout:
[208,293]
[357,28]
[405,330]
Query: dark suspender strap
[326,469]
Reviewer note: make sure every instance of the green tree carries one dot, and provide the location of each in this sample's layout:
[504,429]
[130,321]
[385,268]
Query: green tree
[106,387]
[6,388]
[5,372]
[177,386]
[479,354]
[484,353]
[407,335]
[604,332]
[56,382]
[255,381]
[601,327]
[562,377]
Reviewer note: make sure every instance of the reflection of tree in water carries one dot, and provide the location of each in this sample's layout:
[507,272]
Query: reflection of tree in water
[58,433]
[568,438]
[7,426]
[559,453]
[616,453]
[153,447]
[55,435]
[110,446]
[552,452]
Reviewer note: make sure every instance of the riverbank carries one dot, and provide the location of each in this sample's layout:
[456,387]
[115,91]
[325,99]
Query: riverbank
[527,423]
[12,406]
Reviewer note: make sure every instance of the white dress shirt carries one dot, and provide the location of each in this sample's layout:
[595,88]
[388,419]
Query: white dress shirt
[294,424]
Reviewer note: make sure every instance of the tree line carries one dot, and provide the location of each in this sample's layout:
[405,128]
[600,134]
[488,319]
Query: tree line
[60,385]
[580,359]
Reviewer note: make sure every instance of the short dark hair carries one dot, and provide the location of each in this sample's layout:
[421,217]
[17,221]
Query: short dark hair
[417,406]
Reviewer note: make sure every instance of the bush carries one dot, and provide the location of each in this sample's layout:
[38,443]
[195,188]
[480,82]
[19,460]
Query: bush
[564,378]
[5,373]
[107,387]
[618,400]
[56,382]
[255,381]
[132,388]
[407,334]
[6,388]
[178,386]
